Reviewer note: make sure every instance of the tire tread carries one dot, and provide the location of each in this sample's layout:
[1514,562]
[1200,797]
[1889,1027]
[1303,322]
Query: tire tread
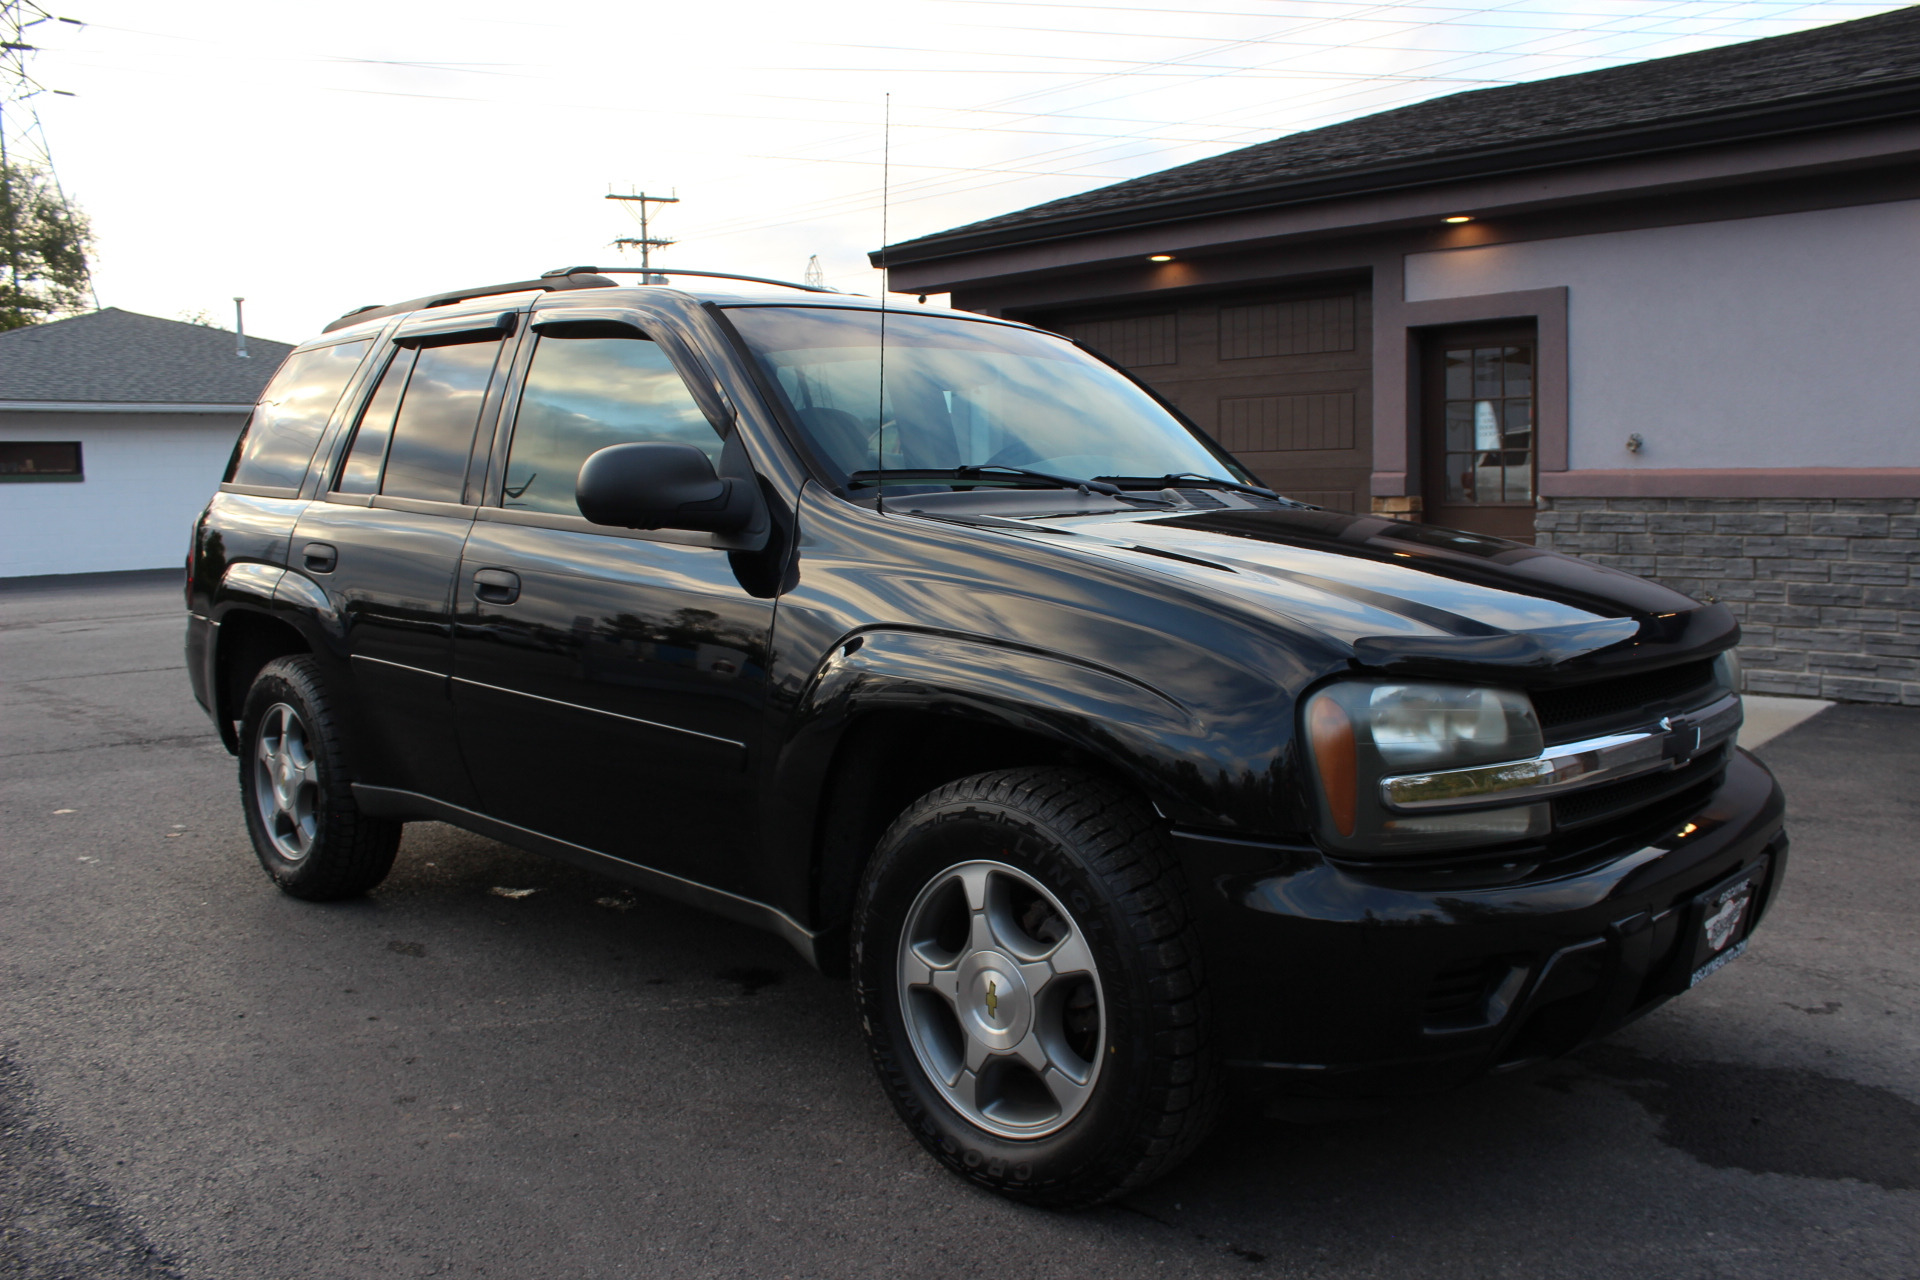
[354,852]
[1123,843]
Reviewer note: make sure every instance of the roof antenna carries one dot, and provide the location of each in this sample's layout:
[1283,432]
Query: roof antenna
[880,405]
[240,329]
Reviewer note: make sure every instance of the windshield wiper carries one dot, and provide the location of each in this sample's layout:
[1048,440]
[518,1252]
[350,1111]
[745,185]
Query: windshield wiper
[1195,479]
[985,471]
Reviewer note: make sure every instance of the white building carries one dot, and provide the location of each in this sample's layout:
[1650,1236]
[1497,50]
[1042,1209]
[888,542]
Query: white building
[115,428]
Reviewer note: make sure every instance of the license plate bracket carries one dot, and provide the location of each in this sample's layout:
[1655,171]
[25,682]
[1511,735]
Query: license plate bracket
[1720,920]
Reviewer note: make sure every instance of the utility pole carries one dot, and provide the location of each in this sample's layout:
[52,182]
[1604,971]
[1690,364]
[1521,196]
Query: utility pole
[12,228]
[646,242]
[21,127]
[816,274]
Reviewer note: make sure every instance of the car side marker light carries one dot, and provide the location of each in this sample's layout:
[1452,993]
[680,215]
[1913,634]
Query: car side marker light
[1337,761]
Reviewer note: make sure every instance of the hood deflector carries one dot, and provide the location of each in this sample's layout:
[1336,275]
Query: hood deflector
[1546,647]
[1616,645]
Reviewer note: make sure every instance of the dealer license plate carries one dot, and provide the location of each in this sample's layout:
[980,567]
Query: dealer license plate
[1724,913]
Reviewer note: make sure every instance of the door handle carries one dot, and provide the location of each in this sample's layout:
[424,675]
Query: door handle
[496,586]
[320,557]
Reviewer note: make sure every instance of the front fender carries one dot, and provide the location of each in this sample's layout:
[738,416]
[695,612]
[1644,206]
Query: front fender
[1130,726]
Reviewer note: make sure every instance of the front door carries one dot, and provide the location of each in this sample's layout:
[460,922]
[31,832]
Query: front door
[1477,439]
[609,684]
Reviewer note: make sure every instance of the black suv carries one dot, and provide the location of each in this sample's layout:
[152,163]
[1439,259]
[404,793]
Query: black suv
[948,652]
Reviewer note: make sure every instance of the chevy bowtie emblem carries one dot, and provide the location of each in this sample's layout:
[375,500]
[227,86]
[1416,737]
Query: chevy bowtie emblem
[1683,738]
[993,1001]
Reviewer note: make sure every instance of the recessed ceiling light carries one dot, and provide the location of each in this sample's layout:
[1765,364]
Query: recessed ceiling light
[1460,217]
[1160,257]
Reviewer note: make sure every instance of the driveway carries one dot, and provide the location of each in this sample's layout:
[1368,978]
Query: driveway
[201,1077]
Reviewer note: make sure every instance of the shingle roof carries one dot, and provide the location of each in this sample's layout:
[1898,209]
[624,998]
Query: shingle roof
[1852,70]
[115,357]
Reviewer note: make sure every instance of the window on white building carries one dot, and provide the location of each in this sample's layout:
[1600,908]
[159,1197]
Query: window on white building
[40,460]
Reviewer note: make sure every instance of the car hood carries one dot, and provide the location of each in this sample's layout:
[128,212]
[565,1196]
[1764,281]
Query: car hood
[1404,596]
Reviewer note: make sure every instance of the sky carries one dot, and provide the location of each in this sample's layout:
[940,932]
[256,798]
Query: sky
[315,158]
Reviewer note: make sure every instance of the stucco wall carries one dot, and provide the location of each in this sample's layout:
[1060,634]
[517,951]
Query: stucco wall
[147,476]
[1781,341]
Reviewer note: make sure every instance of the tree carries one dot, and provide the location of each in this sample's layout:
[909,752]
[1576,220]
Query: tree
[44,243]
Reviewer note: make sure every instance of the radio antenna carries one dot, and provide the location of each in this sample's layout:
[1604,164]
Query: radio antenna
[880,405]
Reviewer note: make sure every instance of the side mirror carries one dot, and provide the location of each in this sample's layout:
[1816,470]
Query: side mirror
[662,486]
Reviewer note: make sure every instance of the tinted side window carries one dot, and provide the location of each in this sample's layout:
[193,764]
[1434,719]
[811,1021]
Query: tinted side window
[433,432]
[361,474]
[591,386]
[279,438]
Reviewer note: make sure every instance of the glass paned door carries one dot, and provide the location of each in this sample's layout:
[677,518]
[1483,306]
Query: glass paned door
[1478,437]
[1489,412]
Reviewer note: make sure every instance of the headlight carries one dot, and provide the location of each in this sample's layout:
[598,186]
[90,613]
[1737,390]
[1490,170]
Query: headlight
[1361,732]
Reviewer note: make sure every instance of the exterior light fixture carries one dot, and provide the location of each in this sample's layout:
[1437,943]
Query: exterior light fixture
[1160,257]
[1460,217]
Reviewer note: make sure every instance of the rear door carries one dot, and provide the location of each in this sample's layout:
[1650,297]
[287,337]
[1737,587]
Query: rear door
[609,684]
[385,542]
[251,519]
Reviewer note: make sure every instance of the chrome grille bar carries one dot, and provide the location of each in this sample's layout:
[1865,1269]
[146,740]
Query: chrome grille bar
[1571,766]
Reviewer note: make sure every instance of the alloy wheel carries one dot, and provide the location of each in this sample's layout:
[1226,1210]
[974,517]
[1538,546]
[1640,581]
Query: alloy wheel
[1002,999]
[286,782]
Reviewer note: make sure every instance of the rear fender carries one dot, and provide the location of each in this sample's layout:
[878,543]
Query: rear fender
[292,601]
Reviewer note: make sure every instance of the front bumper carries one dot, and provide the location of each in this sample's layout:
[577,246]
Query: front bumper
[1337,981]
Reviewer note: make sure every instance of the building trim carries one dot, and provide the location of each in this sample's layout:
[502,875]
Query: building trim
[1735,482]
[1800,115]
[106,406]
[1889,148]
[1398,332]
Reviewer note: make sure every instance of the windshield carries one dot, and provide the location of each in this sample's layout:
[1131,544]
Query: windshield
[961,393]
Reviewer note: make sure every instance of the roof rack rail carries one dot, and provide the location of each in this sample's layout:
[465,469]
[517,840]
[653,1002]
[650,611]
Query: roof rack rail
[549,281]
[675,271]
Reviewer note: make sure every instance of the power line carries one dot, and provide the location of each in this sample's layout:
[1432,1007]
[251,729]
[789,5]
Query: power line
[933,188]
[1288,27]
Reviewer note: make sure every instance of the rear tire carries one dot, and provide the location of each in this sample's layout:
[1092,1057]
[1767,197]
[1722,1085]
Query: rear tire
[296,789]
[1030,984]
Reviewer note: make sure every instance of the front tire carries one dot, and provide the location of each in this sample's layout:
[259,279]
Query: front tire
[296,789]
[1030,985]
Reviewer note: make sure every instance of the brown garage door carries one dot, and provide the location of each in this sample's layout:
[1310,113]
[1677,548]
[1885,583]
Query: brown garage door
[1281,378]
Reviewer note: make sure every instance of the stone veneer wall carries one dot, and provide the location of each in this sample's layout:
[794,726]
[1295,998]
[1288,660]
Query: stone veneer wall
[1827,589]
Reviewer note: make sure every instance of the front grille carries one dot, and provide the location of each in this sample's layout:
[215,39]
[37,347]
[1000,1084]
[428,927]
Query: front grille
[1583,807]
[1587,710]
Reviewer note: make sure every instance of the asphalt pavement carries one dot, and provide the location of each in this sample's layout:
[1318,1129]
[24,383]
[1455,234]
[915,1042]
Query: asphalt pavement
[200,1077]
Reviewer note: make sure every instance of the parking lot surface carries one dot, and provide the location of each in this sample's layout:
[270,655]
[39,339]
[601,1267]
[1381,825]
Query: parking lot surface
[200,1077]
